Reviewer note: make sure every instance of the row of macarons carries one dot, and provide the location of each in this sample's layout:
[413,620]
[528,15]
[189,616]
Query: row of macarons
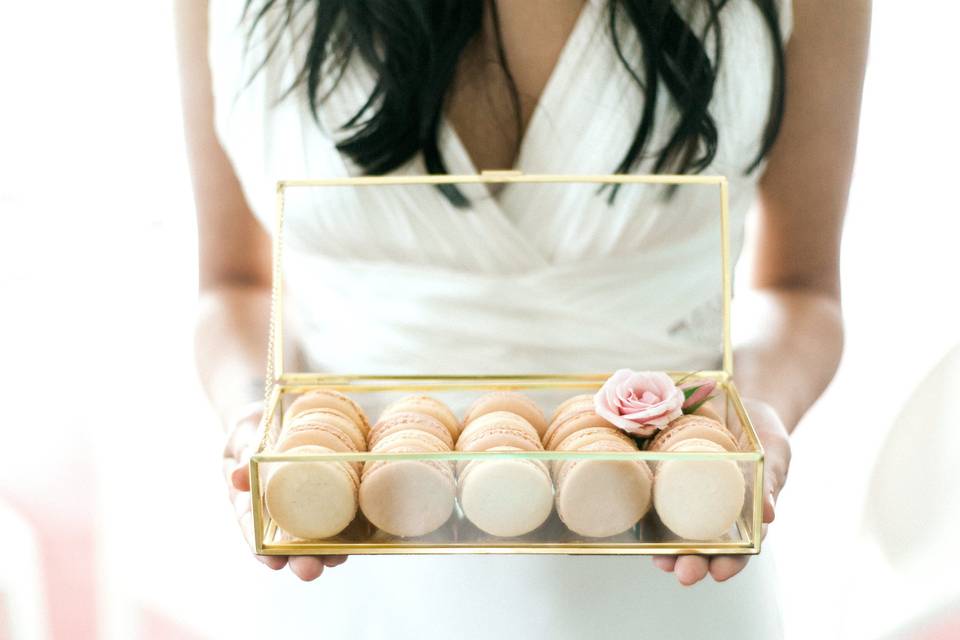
[502,497]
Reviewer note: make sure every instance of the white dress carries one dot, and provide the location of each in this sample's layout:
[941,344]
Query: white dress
[537,279]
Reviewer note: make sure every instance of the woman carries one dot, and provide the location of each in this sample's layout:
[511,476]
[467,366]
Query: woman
[763,92]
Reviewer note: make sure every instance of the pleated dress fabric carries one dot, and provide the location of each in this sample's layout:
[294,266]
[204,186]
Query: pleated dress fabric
[537,278]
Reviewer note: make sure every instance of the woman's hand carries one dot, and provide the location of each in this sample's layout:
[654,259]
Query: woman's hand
[242,438]
[775,439]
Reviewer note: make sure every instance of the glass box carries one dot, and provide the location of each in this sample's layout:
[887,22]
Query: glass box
[514,503]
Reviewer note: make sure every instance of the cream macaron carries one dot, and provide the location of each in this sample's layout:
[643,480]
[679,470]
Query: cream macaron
[427,406]
[698,499]
[403,421]
[693,426]
[408,498]
[496,401]
[573,415]
[329,399]
[600,498]
[497,429]
[506,497]
[311,499]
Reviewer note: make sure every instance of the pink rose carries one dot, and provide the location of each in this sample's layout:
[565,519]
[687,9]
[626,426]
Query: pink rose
[639,402]
[697,392]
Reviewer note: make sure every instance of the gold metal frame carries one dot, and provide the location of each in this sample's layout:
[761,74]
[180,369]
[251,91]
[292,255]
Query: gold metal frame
[280,383]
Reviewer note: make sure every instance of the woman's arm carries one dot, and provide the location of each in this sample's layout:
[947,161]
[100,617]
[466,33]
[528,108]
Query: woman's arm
[235,278]
[234,251]
[787,360]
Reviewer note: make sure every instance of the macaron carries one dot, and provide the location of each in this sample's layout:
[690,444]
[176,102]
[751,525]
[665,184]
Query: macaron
[428,406]
[329,399]
[698,499]
[693,426]
[317,434]
[497,429]
[600,498]
[577,401]
[407,498]
[409,420]
[311,500]
[413,440]
[591,435]
[707,409]
[496,401]
[572,415]
[506,497]
[333,418]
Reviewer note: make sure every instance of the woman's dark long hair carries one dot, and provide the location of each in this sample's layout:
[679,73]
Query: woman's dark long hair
[413,48]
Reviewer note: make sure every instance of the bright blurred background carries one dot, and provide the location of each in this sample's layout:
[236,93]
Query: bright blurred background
[110,479]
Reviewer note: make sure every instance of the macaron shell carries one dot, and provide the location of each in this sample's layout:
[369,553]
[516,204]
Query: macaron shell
[699,499]
[508,497]
[584,437]
[408,420]
[411,437]
[497,420]
[311,500]
[329,399]
[572,421]
[331,417]
[708,410]
[600,442]
[500,433]
[322,435]
[600,498]
[407,497]
[413,441]
[575,401]
[693,426]
[511,401]
[428,406]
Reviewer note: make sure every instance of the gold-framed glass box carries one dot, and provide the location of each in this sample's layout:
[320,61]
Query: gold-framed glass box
[712,359]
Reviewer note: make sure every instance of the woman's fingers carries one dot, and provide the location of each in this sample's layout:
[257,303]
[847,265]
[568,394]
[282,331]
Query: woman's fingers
[306,568]
[725,567]
[333,561]
[690,569]
[776,445]
[665,563]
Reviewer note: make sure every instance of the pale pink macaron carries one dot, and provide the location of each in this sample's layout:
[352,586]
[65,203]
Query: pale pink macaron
[518,403]
[413,439]
[329,399]
[506,497]
[574,418]
[320,434]
[408,420]
[408,497]
[333,418]
[600,498]
[699,499]
[590,435]
[709,410]
[429,406]
[575,403]
[308,499]
[693,426]
[498,429]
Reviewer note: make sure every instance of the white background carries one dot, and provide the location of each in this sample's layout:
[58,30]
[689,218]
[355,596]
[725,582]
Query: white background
[98,277]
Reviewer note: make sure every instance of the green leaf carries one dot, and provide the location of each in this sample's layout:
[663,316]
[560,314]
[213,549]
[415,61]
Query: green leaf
[693,408]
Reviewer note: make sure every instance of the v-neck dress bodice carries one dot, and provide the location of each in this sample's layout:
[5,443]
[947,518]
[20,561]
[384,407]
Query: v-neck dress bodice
[540,278]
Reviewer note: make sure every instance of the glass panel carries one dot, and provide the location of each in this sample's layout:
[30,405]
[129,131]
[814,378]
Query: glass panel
[545,277]
[612,498]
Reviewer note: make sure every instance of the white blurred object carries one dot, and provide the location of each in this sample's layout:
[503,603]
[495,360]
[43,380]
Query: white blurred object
[23,614]
[903,575]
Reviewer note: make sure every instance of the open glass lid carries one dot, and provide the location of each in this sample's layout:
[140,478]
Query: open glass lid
[500,274]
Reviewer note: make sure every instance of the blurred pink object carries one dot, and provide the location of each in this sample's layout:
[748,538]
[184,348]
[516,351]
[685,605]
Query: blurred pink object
[702,391]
